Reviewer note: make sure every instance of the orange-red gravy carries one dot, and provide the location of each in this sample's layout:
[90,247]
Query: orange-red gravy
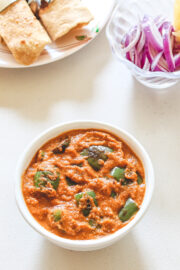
[50,197]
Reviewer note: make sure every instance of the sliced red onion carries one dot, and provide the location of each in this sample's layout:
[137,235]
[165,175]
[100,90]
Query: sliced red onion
[176,46]
[147,65]
[151,46]
[153,36]
[157,63]
[141,42]
[177,60]
[140,48]
[151,52]
[160,69]
[124,41]
[132,55]
[134,37]
[161,28]
[139,58]
[143,58]
[127,41]
[136,58]
[159,21]
[163,63]
[168,41]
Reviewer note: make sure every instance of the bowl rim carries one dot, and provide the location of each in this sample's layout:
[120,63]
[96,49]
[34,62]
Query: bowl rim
[138,70]
[56,130]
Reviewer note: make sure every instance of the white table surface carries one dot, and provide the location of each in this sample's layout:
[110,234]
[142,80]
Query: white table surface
[91,84]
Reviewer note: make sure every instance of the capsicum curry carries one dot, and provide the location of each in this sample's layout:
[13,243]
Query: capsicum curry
[84,184]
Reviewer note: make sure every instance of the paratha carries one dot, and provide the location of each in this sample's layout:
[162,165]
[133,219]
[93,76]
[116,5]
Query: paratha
[22,32]
[60,16]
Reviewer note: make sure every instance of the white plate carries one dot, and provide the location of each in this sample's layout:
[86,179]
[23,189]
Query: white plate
[69,44]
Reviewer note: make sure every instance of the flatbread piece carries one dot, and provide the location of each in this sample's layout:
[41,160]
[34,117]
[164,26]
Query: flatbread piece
[22,32]
[60,16]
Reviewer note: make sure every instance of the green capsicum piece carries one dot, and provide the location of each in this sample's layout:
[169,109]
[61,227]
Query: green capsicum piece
[118,173]
[94,163]
[62,147]
[57,214]
[38,182]
[41,178]
[129,209]
[94,153]
[92,223]
[78,196]
[91,193]
[85,153]
[86,212]
[139,179]
[55,183]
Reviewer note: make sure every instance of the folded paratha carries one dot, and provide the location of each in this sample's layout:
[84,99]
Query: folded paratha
[60,16]
[22,32]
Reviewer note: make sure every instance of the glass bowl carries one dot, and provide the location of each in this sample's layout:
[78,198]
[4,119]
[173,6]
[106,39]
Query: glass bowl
[127,14]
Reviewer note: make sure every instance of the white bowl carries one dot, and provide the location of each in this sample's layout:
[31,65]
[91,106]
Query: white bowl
[83,245]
